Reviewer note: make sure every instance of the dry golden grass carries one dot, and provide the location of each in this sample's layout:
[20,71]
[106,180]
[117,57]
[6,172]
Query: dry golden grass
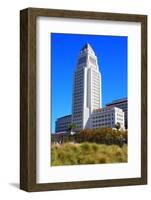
[87,153]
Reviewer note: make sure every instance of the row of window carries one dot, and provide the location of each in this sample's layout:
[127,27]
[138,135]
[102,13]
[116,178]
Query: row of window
[96,86]
[62,127]
[102,116]
[119,119]
[95,90]
[95,95]
[95,81]
[77,98]
[95,75]
[59,122]
[78,103]
[93,66]
[119,115]
[96,101]
[82,60]
[77,92]
[103,125]
[95,106]
[104,119]
[79,74]
[65,120]
[96,98]
[78,87]
[78,123]
[92,60]
[103,110]
[78,81]
[77,117]
[77,109]
[78,106]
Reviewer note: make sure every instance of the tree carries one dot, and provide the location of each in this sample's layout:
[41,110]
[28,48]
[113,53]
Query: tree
[117,125]
[71,127]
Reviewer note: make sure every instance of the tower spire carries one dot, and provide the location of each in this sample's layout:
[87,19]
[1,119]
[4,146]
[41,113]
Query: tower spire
[87,46]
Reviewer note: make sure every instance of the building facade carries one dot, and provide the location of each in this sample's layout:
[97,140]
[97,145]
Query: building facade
[62,123]
[107,117]
[87,92]
[123,104]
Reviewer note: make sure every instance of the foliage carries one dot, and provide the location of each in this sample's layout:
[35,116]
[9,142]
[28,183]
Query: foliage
[117,125]
[87,153]
[98,135]
[71,126]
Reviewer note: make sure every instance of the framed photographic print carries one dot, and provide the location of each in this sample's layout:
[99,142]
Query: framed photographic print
[83,99]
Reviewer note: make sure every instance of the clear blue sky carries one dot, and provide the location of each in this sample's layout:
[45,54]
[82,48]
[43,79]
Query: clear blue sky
[111,52]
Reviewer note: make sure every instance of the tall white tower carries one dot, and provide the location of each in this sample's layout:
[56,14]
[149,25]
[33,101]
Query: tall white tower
[87,93]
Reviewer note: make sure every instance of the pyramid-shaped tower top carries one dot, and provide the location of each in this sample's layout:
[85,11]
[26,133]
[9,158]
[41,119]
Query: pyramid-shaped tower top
[87,48]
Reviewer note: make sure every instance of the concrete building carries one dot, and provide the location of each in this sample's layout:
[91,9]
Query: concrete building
[87,92]
[120,103]
[62,123]
[107,117]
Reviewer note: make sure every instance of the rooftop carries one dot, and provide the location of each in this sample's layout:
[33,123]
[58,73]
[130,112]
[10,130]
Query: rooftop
[67,116]
[117,101]
[108,108]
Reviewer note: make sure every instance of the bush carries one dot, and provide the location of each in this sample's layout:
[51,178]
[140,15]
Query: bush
[102,136]
[98,135]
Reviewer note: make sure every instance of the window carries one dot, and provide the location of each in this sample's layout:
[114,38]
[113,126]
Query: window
[82,60]
[93,61]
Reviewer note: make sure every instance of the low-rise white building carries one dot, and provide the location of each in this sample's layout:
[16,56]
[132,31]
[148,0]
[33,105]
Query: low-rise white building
[123,104]
[107,117]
